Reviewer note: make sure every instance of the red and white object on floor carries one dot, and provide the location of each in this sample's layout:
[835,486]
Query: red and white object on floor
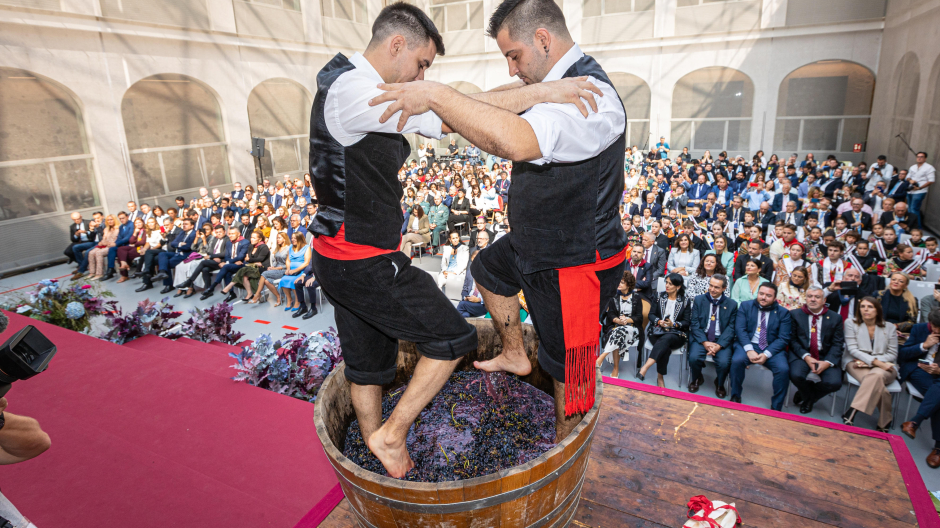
[711,514]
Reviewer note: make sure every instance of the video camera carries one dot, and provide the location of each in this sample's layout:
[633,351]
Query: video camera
[24,355]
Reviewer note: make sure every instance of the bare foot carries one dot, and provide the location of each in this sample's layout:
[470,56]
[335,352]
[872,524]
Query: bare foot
[393,454]
[514,362]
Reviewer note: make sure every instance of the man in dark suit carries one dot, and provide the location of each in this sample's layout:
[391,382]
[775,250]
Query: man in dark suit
[655,256]
[917,363]
[765,217]
[898,186]
[471,302]
[246,226]
[81,238]
[763,330]
[782,198]
[479,226]
[642,271]
[713,319]
[178,250]
[843,300]
[856,218]
[899,216]
[816,348]
[754,253]
[238,193]
[656,210]
[234,259]
[790,215]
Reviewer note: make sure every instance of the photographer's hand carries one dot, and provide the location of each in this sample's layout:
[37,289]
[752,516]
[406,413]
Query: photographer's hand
[21,438]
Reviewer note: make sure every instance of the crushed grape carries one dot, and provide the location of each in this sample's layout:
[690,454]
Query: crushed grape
[476,425]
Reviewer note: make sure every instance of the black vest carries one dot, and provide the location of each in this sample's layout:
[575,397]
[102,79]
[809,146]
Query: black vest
[563,214]
[355,185]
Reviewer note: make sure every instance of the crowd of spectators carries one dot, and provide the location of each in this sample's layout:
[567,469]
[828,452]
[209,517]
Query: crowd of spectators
[780,263]
[243,242]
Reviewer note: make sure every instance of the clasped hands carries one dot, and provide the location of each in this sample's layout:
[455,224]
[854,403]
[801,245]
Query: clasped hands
[816,366]
[414,98]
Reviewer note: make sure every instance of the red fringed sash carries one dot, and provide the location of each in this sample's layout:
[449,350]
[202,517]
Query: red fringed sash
[580,307]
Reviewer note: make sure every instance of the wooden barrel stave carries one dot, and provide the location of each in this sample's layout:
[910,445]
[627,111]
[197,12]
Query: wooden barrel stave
[528,495]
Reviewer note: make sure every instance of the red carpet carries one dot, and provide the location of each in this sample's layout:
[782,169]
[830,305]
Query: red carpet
[156,434]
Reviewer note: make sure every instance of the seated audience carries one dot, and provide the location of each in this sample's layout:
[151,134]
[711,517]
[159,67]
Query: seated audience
[155,244]
[670,320]
[754,252]
[135,248]
[792,293]
[698,283]
[454,261]
[642,272]
[278,268]
[747,287]
[298,259]
[871,350]
[684,258]
[98,255]
[762,330]
[898,303]
[904,261]
[177,251]
[248,275]
[622,324]
[815,348]
[471,300]
[418,230]
[712,333]
[917,363]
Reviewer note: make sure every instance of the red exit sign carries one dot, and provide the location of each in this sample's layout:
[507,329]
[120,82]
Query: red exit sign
[857,147]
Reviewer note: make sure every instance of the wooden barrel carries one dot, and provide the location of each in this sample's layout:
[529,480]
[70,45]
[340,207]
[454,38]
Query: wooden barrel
[544,492]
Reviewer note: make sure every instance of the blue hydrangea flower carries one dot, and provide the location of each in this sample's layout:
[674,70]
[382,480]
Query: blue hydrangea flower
[74,310]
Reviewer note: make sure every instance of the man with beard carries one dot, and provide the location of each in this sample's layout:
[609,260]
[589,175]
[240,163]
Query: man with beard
[377,296]
[566,277]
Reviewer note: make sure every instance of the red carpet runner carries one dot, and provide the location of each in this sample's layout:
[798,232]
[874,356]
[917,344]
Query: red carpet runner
[151,438]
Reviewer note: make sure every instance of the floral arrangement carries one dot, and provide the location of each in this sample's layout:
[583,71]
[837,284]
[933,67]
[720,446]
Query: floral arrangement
[68,306]
[296,366]
[148,318]
[212,324]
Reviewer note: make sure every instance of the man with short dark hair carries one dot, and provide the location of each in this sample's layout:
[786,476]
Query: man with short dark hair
[566,277]
[816,349]
[357,149]
[920,176]
[754,252]
[713,324]
[763,330]
[178,250]
[917,363]
[234,259]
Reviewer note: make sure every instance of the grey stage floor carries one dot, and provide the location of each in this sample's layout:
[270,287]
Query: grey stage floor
[265,318]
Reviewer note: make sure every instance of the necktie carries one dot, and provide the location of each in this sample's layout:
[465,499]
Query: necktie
[648,253]
[762,331]
[844,310]
[712,323]
[813,337]
[234,249]
[789,218]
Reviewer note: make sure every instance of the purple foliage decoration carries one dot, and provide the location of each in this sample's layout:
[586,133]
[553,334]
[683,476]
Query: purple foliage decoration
[148,318]
[295,366]
[212,324]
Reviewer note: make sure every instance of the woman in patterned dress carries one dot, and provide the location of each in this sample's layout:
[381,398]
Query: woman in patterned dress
[623,322]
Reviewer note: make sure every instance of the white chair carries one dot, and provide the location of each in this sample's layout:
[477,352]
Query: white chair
[894,388]
[644,355]
[912,394]
[812,376]
[417,246]
[921,289]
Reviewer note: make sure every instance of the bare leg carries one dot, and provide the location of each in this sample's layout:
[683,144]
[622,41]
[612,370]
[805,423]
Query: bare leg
[228,287]
[660,381]
[247,284]
[261,286]
[616,357]
[563,425]
[367,401]
[388,441]
[505,314]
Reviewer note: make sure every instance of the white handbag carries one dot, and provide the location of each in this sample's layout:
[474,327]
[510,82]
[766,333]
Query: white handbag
[711,514]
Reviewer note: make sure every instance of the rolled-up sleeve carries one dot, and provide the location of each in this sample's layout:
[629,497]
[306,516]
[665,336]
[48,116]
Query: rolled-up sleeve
[564,135]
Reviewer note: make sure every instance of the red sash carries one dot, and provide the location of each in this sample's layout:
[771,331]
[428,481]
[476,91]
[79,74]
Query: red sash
[580,307]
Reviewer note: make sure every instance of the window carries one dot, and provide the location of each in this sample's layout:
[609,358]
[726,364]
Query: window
[456,15]
[711,109]
[593,8]
[635,94]
[290,5]
[905,104]
[279,112]
[824,108]
[352,10]
[175,136]
[45,163]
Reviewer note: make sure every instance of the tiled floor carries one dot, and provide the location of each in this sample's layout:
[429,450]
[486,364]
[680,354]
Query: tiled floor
[265,318]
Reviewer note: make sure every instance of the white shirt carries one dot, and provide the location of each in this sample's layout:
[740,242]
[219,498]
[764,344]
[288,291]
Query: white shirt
[349,117]
[921,175]
[564,135]
[873,178]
